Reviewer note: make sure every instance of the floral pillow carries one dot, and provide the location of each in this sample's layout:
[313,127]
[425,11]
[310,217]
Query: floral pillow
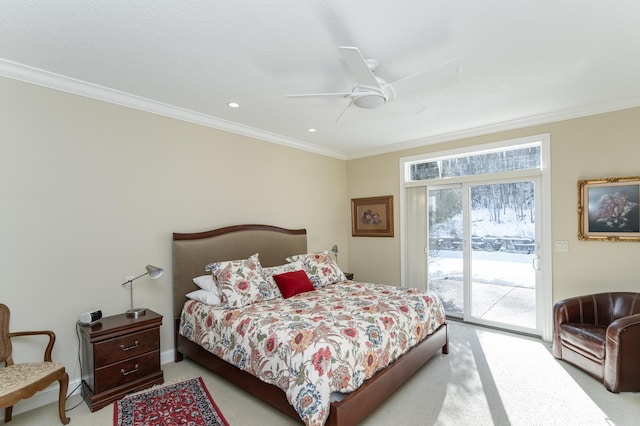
[321,268]
[241,282]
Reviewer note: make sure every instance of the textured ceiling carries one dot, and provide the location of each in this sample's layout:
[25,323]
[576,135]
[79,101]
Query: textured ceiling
[521,62]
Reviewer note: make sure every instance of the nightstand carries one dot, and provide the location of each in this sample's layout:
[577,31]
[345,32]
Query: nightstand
[120,355]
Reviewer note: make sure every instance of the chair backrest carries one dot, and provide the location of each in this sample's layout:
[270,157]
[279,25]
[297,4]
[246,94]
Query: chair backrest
[616,305]
[625,304]
[5,342]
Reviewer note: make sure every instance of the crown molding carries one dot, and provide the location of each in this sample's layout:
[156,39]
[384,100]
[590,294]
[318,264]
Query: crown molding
[55,81]
[520,123]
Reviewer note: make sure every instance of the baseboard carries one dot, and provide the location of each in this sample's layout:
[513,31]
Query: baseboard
[50,394]
[167,356]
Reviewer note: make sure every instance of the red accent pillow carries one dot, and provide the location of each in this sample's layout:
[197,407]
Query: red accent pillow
[292,283]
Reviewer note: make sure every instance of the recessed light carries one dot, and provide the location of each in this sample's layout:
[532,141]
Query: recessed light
[233,105]
[312,130]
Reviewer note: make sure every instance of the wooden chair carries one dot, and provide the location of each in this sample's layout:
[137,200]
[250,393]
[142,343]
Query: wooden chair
[20,381]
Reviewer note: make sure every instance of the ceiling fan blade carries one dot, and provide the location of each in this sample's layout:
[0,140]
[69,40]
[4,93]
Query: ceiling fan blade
[344,110]
[424,79]
[319,95]
[358,67]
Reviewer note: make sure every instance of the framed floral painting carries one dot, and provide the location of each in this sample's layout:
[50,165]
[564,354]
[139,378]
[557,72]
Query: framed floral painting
[372,217]
[608,209]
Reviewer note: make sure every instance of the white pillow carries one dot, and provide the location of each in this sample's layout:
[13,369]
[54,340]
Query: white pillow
[207,283]
[205,296]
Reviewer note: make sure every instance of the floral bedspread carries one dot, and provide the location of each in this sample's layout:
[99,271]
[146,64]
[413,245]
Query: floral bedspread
[310,345]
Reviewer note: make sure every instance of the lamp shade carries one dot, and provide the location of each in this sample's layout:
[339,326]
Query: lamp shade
[154,272]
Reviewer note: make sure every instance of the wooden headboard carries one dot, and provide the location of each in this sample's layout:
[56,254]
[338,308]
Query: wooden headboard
[192,252]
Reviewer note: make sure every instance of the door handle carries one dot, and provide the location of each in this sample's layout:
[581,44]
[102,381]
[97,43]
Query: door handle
[536,263]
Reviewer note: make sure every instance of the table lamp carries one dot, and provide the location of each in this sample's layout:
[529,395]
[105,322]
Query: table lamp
[153,272]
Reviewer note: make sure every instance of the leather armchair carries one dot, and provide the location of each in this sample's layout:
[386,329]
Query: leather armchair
[600,334]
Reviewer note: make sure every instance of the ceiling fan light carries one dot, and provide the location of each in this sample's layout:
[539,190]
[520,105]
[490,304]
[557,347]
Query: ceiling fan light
[369,100]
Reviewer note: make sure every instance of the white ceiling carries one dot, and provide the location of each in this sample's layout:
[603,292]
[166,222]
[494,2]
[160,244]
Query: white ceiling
[521,62]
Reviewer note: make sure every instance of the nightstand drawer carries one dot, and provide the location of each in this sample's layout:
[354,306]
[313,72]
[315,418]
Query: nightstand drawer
[121,348]
[126,371]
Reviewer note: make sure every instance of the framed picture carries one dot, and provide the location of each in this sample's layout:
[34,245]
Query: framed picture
[372,217]
[608,209]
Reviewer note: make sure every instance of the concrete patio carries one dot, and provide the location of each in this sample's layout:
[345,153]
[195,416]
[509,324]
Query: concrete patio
[491,302]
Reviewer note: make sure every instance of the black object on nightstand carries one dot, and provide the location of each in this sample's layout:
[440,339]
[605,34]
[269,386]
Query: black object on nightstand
[349,275]
[120,355]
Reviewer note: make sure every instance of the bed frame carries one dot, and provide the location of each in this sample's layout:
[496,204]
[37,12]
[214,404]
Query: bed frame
[191,252]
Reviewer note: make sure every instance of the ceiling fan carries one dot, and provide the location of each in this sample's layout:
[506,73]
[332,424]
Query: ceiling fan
[371,91]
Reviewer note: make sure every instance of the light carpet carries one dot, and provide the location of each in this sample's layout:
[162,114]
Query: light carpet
[488,378]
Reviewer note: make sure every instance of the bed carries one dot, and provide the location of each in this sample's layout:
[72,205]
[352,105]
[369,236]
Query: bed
[193,251]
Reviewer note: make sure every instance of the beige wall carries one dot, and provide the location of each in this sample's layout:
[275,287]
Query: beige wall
[604,145]
[91,192]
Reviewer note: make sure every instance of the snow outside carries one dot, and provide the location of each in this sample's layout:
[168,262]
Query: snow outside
[502,275]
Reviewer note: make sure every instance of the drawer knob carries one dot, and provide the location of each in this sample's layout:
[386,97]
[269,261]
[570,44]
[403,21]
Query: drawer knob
[128,348]
[126,373]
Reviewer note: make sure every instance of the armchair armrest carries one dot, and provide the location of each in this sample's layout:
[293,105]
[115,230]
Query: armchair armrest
[48,349]
[623,353]
[630,324]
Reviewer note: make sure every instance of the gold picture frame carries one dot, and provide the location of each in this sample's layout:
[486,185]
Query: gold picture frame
[372,216]
[608,209]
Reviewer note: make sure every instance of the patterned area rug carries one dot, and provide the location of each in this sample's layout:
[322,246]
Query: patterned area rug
[186,402]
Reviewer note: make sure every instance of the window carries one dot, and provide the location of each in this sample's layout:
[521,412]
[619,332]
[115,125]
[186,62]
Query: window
[464,213]
[503,160]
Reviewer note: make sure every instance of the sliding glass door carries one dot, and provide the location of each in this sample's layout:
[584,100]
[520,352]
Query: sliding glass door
[481,257]
[445,265]
[503,254]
